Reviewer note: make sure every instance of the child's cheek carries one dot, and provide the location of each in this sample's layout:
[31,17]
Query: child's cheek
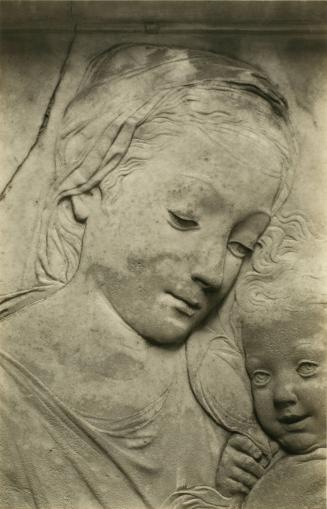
[314,393]
[263,403]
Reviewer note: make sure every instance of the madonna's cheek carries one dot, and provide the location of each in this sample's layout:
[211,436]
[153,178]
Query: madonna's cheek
[232,267]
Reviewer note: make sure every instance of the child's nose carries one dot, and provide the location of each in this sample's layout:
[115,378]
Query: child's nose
[284,393]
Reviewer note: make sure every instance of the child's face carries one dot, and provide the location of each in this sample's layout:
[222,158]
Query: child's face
[287,367]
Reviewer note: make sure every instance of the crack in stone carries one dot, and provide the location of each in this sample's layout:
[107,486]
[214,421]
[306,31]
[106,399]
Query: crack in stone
[45,118]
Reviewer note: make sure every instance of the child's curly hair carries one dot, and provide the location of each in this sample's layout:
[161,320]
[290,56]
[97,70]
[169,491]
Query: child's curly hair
[288,271]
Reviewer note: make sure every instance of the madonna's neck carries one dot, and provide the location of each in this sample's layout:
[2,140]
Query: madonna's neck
[87,308]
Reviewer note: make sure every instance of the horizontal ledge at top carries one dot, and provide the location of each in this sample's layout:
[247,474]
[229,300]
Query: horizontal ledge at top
[157,28]
[58,13]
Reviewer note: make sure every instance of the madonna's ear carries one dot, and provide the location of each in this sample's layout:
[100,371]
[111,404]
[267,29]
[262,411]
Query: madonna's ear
[84,203]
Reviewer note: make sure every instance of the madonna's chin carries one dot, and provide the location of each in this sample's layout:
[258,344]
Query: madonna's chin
[172,331]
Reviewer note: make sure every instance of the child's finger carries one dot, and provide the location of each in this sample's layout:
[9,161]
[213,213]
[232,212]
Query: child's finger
[274,447]
[237,487]
[246,478]
[244,444]
[264,461]
[248,464]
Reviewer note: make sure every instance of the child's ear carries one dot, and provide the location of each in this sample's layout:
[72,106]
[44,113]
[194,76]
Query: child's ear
[84,203]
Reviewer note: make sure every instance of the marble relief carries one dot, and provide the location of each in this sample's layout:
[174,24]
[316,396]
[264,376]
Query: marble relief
[169,350]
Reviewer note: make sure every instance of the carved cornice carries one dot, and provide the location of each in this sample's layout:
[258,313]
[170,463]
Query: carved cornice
[166,16]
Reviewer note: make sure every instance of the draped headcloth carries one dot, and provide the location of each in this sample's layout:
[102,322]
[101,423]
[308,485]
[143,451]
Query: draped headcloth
[120,89]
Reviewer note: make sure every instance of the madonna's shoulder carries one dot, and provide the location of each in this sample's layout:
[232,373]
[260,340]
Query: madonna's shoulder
[20,326]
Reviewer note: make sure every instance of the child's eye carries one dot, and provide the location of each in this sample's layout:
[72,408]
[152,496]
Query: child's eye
[260,378]
[307,368]
[239,250]
[181,223]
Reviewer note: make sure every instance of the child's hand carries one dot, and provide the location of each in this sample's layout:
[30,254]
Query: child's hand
[241,465]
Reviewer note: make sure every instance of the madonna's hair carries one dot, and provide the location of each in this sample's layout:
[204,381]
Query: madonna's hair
[130,101]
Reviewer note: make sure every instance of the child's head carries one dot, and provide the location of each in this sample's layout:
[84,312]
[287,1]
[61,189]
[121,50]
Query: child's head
[285,339]
[286,362]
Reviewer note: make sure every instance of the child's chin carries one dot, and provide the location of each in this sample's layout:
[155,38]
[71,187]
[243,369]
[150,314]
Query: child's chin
[299,443]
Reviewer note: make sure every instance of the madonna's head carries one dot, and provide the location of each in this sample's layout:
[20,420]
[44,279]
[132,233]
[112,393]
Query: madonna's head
[170,164]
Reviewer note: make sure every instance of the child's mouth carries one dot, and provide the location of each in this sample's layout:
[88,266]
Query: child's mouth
[293,421]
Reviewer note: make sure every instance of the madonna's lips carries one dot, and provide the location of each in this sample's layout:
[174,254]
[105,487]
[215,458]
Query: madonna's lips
[185,305]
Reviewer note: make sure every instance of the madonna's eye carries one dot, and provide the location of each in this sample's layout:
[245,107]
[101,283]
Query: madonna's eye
[307,368]
[260,378]
[239,250]
[179,222]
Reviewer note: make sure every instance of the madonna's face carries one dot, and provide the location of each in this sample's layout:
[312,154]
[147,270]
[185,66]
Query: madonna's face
[169,247]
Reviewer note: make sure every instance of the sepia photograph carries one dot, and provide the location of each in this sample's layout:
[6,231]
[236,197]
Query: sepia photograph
[163,261]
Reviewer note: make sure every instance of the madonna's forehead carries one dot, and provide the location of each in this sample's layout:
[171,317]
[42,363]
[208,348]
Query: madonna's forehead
[199,155]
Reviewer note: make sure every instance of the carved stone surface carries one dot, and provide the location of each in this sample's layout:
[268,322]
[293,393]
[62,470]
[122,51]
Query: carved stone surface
[163,308]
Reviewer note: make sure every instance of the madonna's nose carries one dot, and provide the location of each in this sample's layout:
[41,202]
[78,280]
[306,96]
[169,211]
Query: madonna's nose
[210,274]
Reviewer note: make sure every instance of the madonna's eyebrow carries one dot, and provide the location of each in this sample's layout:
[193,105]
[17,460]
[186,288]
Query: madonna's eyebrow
[207,182]
[200,178]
